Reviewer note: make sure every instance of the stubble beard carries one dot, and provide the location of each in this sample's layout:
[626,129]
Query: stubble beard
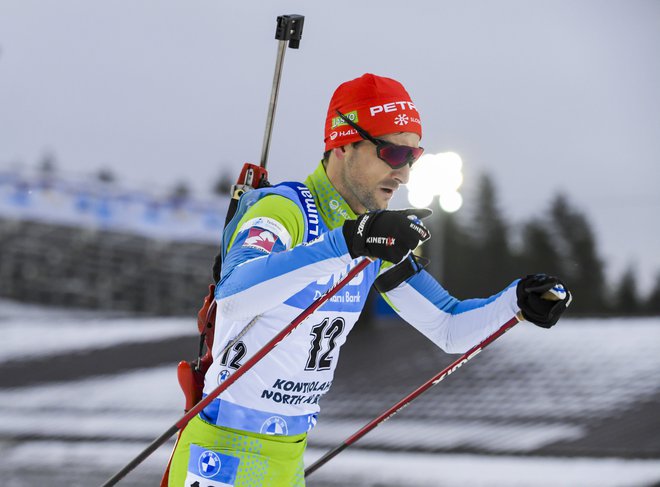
[365,196]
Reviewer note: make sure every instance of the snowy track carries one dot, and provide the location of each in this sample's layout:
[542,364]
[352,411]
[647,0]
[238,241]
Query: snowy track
[533,392]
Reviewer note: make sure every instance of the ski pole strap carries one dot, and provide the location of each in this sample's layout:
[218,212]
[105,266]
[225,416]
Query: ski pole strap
[391,278]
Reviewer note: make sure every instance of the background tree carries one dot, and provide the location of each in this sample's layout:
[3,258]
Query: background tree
[581,267]
[180,192]
[457,265]
[47,165]
[106,175]
[538,249]
[222,186]
[492,258]
[652,305]
[626,297]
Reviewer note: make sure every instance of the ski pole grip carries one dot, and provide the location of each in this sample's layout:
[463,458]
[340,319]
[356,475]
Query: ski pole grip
[289,28]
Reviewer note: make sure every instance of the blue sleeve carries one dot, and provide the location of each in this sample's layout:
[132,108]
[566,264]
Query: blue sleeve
[255,280]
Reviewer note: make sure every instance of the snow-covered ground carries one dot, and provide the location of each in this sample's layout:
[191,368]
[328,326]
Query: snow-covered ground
[80,432]
[88,464]
[59,334]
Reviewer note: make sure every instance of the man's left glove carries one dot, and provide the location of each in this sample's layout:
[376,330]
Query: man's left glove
[542,299]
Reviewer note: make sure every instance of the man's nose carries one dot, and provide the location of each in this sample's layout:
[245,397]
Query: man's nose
[402,174]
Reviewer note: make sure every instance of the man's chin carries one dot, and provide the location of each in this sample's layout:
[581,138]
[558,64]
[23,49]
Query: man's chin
[380,206]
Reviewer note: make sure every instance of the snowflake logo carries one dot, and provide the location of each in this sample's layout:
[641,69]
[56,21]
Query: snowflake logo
[401,120]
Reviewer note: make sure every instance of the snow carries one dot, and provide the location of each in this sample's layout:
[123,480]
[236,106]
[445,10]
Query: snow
[57,335]
[355,468]
[449,434]
[433,470]
[82,431]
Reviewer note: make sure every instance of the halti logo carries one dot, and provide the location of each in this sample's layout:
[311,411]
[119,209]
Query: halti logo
[334,205]
[260,239]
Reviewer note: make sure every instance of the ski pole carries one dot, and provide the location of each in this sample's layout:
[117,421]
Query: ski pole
[412,396]
[261,353]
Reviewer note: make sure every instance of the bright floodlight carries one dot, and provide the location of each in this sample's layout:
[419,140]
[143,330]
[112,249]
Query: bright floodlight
[451,202]
[420,199]
[436,175]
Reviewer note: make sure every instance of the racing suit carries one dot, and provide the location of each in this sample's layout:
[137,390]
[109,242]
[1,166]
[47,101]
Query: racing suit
[286,250]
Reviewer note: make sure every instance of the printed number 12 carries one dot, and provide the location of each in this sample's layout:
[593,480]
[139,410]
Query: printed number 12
[320,331]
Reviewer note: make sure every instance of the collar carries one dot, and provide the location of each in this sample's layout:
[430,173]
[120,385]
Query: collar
[332,206]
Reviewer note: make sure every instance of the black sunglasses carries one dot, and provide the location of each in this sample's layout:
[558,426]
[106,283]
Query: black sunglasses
[395,156]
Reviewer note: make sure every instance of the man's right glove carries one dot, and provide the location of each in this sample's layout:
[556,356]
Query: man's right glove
[542,299]
[389,234]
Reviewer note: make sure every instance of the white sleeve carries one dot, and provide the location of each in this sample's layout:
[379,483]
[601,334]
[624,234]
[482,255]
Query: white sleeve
[452,324]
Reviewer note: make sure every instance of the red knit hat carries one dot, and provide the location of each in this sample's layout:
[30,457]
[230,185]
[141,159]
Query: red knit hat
[378,105]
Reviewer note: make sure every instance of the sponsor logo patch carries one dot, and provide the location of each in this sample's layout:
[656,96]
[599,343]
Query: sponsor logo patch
[360,227]
[208,468]
[338,121]
[401,119]
[392,107]
[274,426]
[387,241]
[260,239]
[209,464]
[223,376]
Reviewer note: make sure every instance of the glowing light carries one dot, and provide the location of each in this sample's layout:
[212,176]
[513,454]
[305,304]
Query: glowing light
[436,175]
[451,202]
[420,199]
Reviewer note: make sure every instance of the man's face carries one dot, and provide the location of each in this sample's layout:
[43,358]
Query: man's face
[368,183]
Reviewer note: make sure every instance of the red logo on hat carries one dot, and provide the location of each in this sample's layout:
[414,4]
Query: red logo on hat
[260,239]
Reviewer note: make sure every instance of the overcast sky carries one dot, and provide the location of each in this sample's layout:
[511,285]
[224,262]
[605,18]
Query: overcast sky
[545,95]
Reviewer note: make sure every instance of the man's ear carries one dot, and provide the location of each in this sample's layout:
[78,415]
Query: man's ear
[340,152]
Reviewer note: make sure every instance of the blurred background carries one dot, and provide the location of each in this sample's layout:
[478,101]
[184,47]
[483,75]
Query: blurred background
[124,124]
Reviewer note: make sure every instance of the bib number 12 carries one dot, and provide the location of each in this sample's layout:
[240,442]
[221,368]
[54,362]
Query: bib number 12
[324,335]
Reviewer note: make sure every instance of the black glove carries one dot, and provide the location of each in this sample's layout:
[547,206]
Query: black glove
[404,270]
[542,299]
[387,235]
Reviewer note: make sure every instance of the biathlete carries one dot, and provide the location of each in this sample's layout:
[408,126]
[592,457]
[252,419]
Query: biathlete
[285,247]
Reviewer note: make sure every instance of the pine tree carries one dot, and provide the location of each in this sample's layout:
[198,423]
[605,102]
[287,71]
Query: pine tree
[492,260]
[626,300]
[652,305]
[48,164]
[106,175]
[459,252]
[581,267]
[222,186]
[539,252]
